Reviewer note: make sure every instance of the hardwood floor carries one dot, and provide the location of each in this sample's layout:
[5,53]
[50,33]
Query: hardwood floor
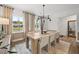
[60,48]
[65,46]
[68,39]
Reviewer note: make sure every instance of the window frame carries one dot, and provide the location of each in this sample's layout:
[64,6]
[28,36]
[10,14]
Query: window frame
[19,24]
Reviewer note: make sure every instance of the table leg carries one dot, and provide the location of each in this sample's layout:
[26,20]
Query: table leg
[38,47]
[49,45]
[34,46]
[27,43]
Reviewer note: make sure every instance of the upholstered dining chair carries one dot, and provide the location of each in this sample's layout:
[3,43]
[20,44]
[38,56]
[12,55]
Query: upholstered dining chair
[5,46]
[54,37]
[44,42]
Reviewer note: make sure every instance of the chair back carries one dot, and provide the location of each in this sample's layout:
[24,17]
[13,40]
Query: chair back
[6,42]
[44,41]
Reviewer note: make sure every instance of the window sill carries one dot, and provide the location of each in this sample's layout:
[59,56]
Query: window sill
[18,32]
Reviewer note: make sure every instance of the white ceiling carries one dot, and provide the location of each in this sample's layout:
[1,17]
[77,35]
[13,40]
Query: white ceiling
[55,10]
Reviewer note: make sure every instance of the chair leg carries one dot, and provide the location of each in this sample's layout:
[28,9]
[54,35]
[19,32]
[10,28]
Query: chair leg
[40,50]
[55,46]
[27,43]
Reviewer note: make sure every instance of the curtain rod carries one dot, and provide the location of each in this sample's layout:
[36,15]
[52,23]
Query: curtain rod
[3,5]
[28,13]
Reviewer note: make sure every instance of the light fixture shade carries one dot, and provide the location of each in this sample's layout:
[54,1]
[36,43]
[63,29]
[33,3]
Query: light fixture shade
[4,21]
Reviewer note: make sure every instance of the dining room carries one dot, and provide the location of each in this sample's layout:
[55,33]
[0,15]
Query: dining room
[39,28]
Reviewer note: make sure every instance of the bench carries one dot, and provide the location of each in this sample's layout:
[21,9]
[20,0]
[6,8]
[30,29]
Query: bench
[17,37]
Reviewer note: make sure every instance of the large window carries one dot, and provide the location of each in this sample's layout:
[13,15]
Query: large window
[37,24]
[17,24]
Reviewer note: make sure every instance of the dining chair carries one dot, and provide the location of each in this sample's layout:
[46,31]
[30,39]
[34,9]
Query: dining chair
[5,46]
[54,37]
[44,42]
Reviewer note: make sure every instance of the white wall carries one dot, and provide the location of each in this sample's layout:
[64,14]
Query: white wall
[17,12]
[52,25]
[1,11]
[62,24]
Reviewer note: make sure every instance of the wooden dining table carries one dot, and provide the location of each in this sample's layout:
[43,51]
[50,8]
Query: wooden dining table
[35,41]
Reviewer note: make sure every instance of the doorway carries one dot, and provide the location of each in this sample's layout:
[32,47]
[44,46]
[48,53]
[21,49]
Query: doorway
[72,28]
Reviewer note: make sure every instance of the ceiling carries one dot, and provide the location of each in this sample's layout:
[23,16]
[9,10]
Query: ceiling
[54,10]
